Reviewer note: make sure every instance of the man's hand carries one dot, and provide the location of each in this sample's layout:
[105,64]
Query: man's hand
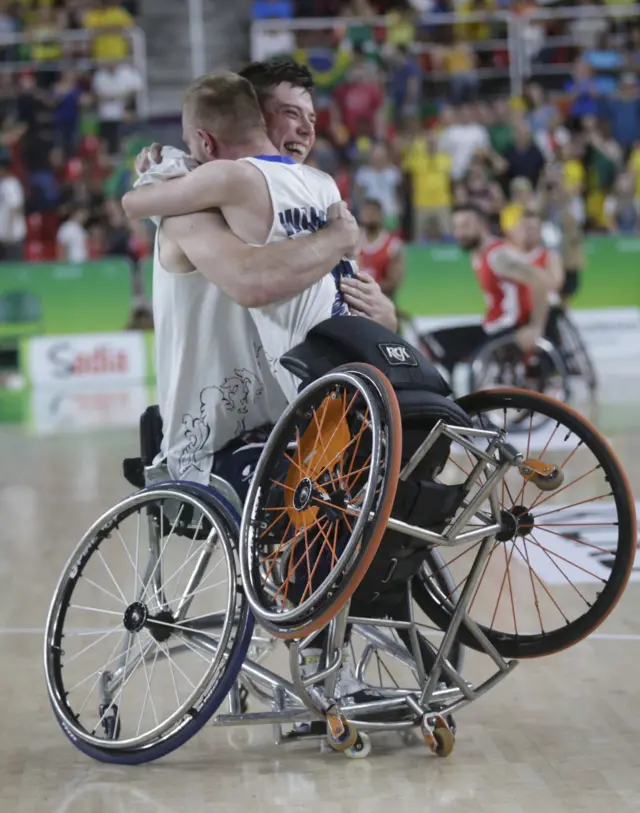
[146,157]
[364,297]
[345,228]
[527,336]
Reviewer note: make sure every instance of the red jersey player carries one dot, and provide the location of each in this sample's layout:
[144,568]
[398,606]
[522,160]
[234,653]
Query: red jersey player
[515,291]
[381,252]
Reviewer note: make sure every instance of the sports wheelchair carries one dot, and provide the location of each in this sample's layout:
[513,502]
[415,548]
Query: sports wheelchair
[380,509]
[559,366]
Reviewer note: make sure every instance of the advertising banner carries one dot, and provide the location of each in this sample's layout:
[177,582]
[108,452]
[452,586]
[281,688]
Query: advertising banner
[92,358]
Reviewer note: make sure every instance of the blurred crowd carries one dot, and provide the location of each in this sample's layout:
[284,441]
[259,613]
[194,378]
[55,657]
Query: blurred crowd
[67,104]
[416,116]
[416,112]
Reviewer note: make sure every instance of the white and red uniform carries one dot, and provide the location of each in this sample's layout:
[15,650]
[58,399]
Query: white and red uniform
[509,303]
[376,257]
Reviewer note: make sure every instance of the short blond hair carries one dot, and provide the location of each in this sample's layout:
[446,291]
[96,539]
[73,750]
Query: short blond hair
[225,104]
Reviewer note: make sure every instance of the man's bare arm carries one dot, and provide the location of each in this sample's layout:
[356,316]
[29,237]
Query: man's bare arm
[555,270]
[209,186]
[513,266]
[256,276]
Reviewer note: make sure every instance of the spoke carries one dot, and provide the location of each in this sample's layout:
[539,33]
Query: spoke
[164,546]
[543,585]
[550,553]
[122,595]
[105,591]
[148,691]
[574,539]
[118,694]
[538,501]
[91,645]
[573,505]
[97,674]
[536,601]
[165,651]
[95,610]
[191,544]
[136,575]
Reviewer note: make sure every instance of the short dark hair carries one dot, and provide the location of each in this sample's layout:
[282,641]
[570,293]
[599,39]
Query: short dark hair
[473,208]
[267,75]
[225,103]
[373,202]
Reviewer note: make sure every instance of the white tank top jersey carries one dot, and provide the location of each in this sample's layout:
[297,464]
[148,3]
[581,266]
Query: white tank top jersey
[218,369]
[300,197]
[213,379]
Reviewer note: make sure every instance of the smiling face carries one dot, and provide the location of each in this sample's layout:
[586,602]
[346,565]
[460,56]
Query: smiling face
[291,120]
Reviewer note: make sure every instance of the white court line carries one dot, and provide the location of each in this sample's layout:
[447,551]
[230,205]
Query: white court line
[598,636]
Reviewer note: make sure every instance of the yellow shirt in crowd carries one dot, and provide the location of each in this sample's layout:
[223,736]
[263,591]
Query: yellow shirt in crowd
[574,175]
[510,216]
[109,45]
[634,168]
[431,176]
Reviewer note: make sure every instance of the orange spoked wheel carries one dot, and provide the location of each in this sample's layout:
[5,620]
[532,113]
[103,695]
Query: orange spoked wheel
[567,546]
[320,500]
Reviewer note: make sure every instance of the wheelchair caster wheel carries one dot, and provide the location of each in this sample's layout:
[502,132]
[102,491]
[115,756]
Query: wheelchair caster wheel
[550,483]
[438,736]
[360,749]
[341,735]
[543,475]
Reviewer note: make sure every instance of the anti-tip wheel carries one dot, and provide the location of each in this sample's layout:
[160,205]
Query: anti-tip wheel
[360,749]
[346,740]
[445,740]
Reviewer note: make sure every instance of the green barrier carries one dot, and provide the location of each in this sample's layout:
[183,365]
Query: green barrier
[439,279]
[58,298]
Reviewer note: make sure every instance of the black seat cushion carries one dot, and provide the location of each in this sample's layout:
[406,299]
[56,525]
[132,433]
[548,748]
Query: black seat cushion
[344,339]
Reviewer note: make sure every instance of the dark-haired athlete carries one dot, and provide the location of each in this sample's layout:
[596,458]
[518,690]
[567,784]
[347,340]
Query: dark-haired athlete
[516,293]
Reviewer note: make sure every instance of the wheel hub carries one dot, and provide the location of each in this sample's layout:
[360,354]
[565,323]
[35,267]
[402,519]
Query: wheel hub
[135,616]
[303,494]
[161,631]
[518,521]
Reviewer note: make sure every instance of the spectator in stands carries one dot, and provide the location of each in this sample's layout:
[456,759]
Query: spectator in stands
[632,50]
[379,180]
[540,112]
[500,126]
[429,169]
[405,80]
[603,161]
[115,86]
[73,237]
[582,94]
[462,139]
[112,19]
[360,99]
[555,209]
[524,158]
[633,167]
[66,115]
[13,228]
[572,179]
[521,198]
[621,212]
[482,191]
[623,111]
[460,63]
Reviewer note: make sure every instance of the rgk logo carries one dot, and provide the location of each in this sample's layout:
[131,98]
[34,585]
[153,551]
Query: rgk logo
[398,355]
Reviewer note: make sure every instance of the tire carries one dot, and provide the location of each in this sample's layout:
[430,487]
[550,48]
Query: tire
[213,693]
[302,613]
